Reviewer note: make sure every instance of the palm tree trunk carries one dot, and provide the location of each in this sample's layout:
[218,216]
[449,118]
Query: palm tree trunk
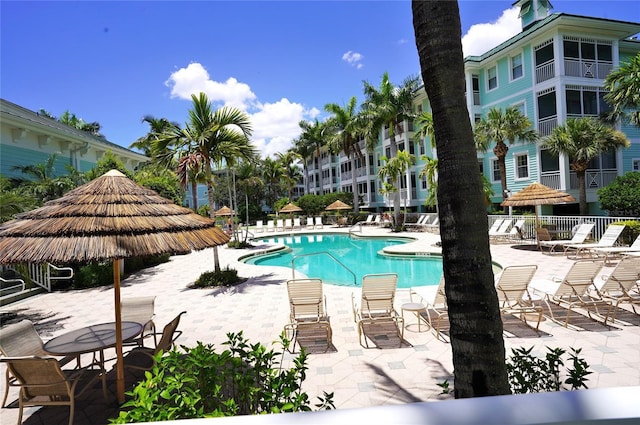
[582,185]
[396,193]
[503,178]
[194,195]
[476,325]
[356,202]
[216,259]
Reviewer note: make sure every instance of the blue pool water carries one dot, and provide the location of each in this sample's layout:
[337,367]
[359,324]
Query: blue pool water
[360,255]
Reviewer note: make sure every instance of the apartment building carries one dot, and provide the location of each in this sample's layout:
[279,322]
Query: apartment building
[554,69]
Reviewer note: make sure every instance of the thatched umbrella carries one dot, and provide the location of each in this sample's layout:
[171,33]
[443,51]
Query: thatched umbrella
[224,211]
[537,194]
[109,218]
[290,208]
[338,205]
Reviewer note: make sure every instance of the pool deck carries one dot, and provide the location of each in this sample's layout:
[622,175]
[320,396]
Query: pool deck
[358,376]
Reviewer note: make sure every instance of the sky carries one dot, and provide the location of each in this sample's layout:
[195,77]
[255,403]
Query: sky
[116,62]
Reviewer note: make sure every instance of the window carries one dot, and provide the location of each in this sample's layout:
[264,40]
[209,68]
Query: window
[516,67]
[423,181]
[585,100]
[481,166]
[521,108]
[635,164]
[495,170]
[492,77]
[522,166]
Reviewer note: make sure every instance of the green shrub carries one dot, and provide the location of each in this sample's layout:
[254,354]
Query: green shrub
[243,379]
[630,232]
[529,374]
[93,275]
[226,277]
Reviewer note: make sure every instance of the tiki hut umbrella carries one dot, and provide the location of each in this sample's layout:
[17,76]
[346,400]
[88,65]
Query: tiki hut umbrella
[338,205]
[290,208]
[109,218]
[224,211]
[537,194]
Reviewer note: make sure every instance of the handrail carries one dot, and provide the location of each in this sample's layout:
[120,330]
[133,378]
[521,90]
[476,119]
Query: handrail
[359,224]
[293,261]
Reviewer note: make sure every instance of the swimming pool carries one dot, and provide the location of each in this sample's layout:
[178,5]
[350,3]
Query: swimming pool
[360,255]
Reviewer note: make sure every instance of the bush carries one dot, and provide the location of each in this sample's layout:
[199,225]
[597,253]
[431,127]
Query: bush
[529,374]
[243,379]
[93,275]
[630,232]
[226,277]
[621,197]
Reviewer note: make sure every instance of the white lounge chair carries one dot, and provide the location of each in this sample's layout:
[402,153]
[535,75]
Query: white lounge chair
[503,228]
[512,234]
[308,312]
[621,286]
[259,226]
[296,223]
[514,298]
[288,224]
[280,224]
[607,240]
[495,226]
[310,223]
[436,313]
[319,224]
[616,250]
[579,237]
[270,226]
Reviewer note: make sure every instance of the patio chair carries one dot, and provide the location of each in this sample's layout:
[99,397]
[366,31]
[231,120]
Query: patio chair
[607,240]
[621,286]
[495,226]
[369,220]
[513,293]
[573,292]
[433,226]
[22,339]
[616,250]
[259,226]
[280,224]
[143,358]
[310,223]
[308,312]
[418,223]
[503,228]
[288,224]
[296,223]
[579,237]
[270,226]
[376,304]
[140,310]
[42,382]
[319,224]
[513,234]
[436,313]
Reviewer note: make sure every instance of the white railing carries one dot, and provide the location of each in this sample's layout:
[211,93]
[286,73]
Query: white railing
[547,124]
[41,274]
[551,179]
[594,179]
[587,68]
[545,71]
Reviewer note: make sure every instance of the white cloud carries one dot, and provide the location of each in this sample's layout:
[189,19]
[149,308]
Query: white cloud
[353,59]
[195,79]
[483,37]
[275,124]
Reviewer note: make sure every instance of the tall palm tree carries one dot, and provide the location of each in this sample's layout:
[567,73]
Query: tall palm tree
[292,175]
[41,181]
[501,127]
[392,169]
[157,128]
[305,151]
[311,140]
[581,140]
[474,314]
[250,184]
[425,122]
[190,171]
[623,86]
[430,171]
[220,136]
[272,173]
[389,107]
[345,132]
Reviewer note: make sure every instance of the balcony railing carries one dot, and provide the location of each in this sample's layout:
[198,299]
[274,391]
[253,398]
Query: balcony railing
[587,68]
[547,124]
[545,71]
[594,179]
[551,179]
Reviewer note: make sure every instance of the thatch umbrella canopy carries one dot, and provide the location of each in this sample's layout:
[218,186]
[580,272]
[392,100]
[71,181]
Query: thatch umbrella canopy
[224,211]
[537,194]
[109,218]
[338,205]
[290,208]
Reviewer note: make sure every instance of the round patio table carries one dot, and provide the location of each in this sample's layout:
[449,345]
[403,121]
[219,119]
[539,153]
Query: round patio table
[90,338]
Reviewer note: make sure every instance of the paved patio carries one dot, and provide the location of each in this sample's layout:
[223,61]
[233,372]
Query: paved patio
[357,376]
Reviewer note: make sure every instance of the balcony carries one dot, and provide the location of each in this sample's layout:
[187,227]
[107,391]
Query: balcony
[545,71]
[594,179]
[587,68]
[551,179]
[547,124]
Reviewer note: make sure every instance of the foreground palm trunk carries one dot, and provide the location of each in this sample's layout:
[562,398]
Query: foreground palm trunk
[476,327]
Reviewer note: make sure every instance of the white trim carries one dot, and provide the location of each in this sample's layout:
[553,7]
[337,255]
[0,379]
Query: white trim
[521,54]
[635,164]
[492,169]
[494,66]
[516,167]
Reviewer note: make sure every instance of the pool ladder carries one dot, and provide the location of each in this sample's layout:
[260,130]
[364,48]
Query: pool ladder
[293,262]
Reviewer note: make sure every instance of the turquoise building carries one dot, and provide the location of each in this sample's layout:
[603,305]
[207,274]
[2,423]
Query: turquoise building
[554,69]
[27,138]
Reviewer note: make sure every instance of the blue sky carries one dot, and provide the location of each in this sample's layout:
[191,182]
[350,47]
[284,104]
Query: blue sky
[280,61]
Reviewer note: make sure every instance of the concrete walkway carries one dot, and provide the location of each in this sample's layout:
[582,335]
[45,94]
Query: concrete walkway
[357,376]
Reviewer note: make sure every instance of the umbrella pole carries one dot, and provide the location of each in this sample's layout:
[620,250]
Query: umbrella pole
[119,355]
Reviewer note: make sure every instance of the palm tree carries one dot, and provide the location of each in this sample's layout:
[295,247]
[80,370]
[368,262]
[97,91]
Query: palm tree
[305,151]
[218,137]
[430,171]
[272,173]
[190,171]
[474,314]
[42,183]
[581,140]
[157,128]
[311,140]
[425,121]
[292,175]
[623,86]
[345,131]
[501,127]
[392,169]
[388,107]
[250,184]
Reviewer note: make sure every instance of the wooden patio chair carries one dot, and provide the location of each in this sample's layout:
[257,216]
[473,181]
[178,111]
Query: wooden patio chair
[140,310]
[308,313]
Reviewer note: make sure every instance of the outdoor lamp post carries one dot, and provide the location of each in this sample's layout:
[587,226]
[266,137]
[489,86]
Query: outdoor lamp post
[507,195]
